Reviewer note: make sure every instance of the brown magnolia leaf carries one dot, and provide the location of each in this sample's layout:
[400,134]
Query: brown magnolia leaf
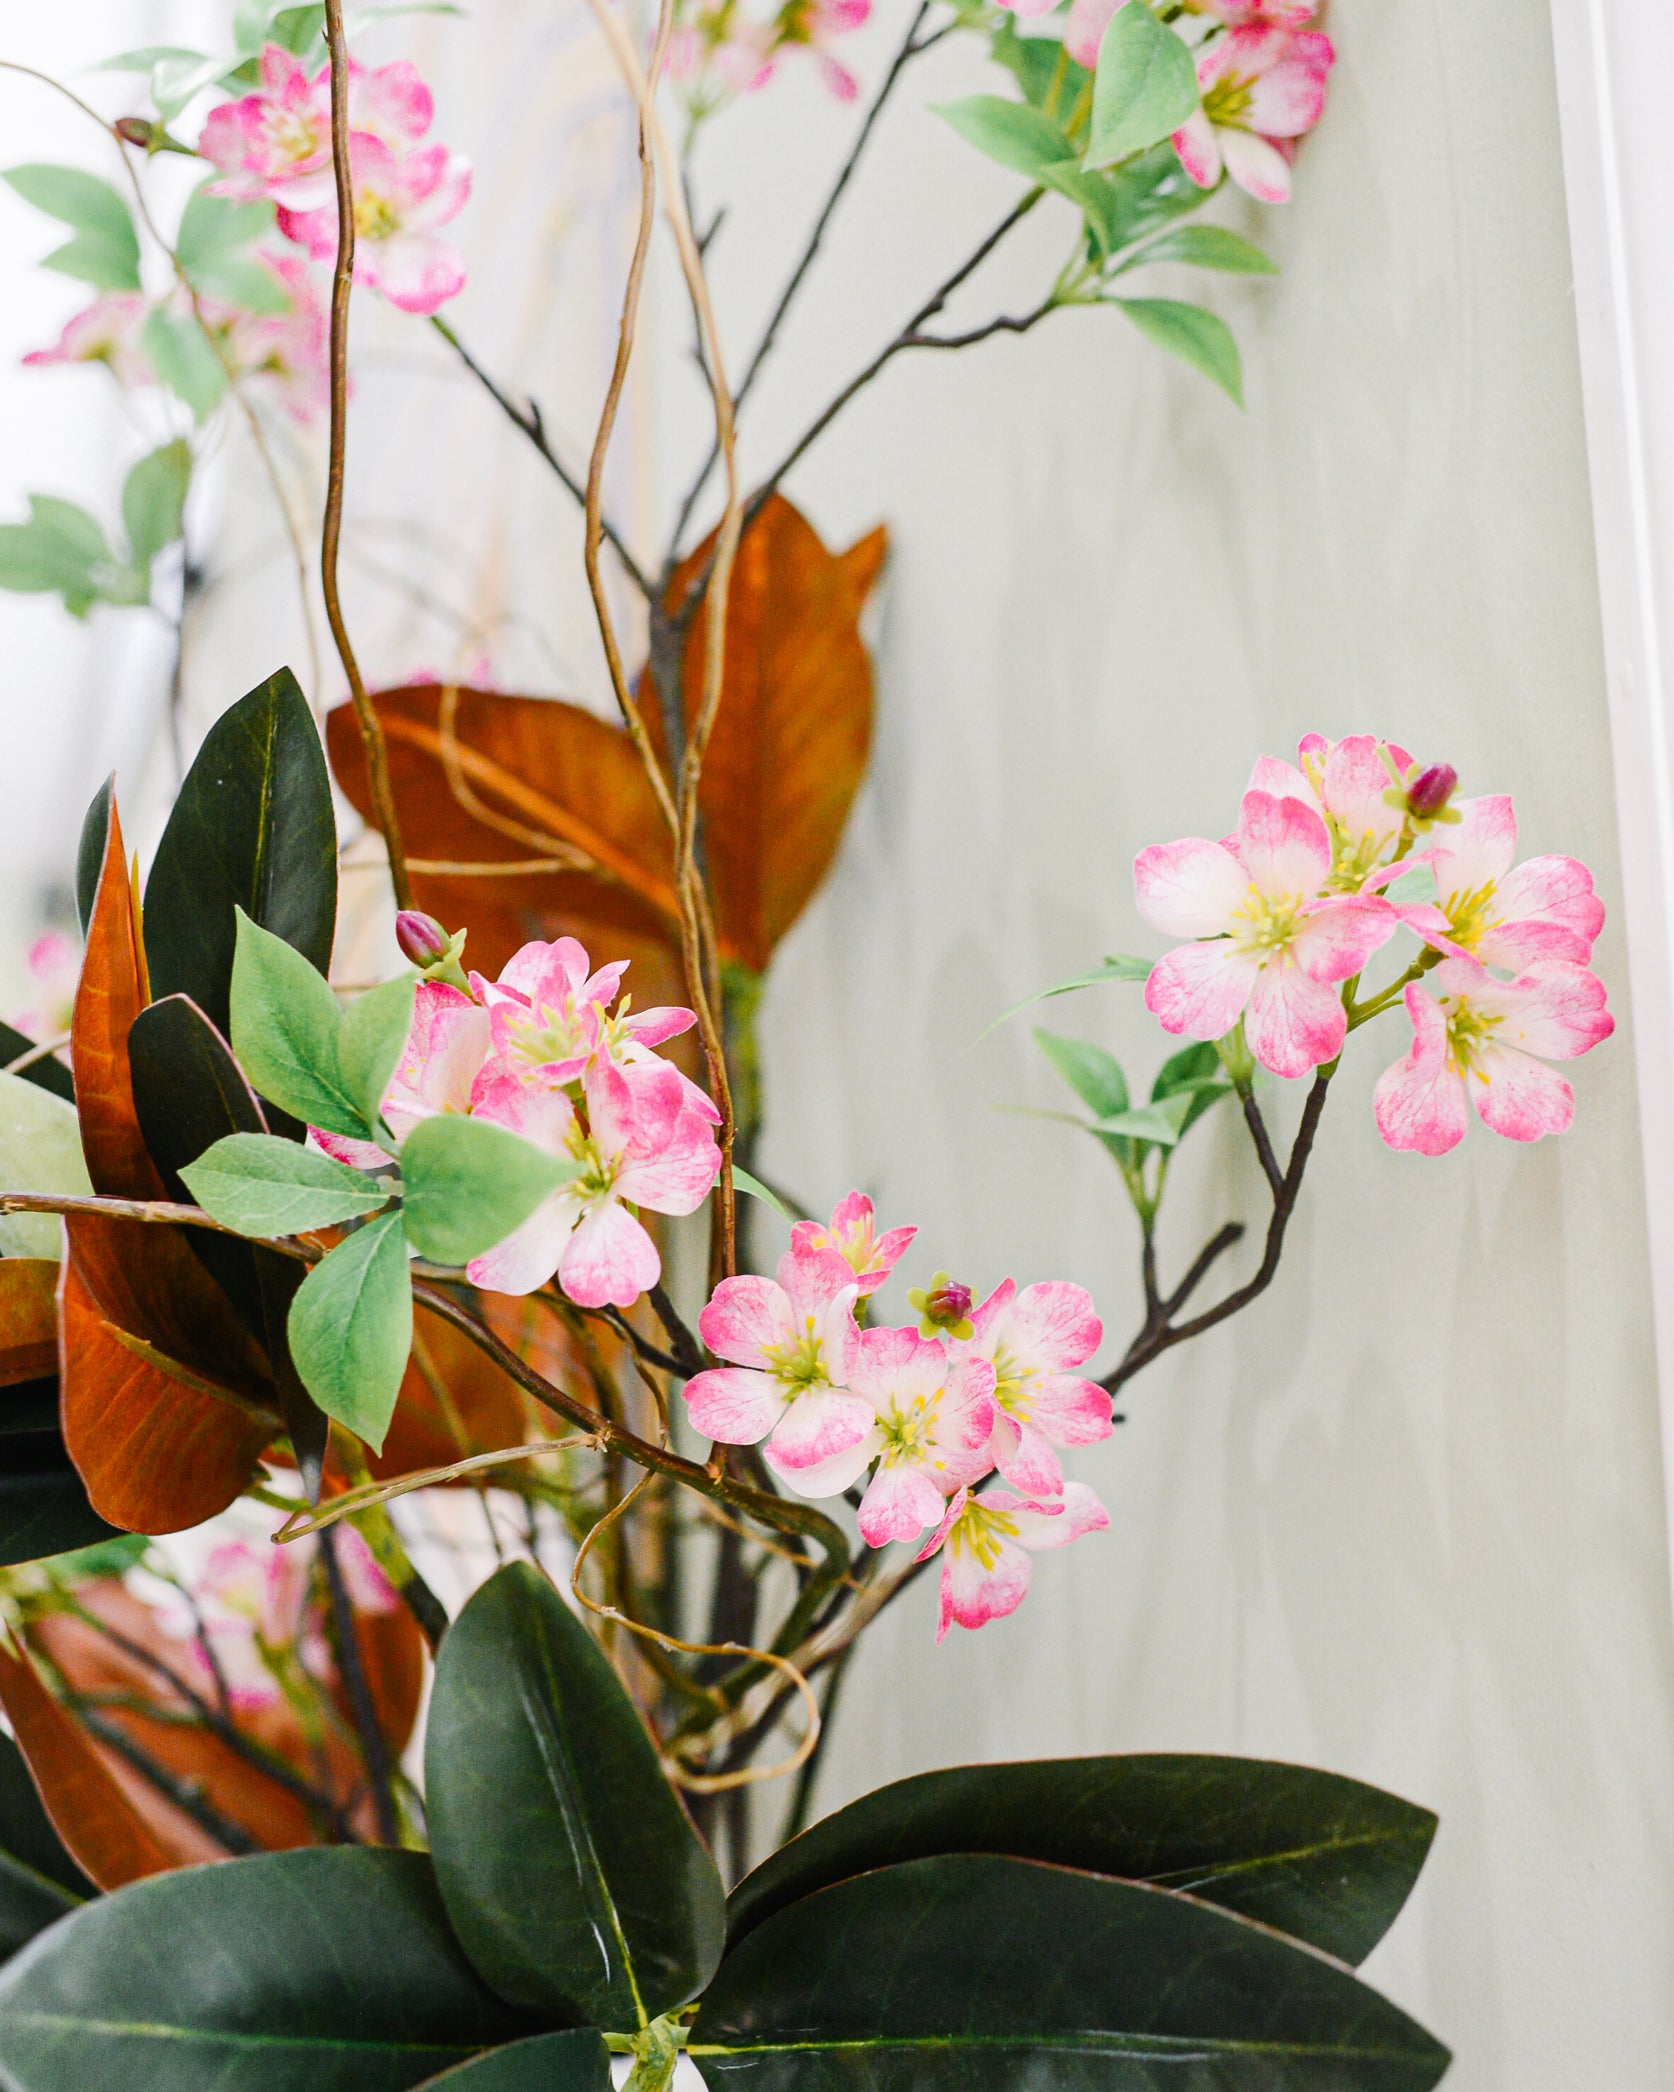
[531,776]
[116,1826]
[146,1336]
[479,1409]
[794,727]
[28,1319]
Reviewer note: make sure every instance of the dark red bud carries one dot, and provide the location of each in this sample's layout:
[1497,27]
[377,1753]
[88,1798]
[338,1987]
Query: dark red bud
[1430,790]
[136,130]
[421,937]
[948,1303]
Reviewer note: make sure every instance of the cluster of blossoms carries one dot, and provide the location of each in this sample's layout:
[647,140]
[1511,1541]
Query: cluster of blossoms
[1293,905]
[928,1411]
[285,350]
[1261,71]
[275,146]
[718,49]
[541,1052]
[54,964]
[256,1615]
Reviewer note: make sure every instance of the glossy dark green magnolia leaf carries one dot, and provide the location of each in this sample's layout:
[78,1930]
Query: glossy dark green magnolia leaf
[48,1073]
[39,1882]
[252,829]
[329,1969]
[574,2061]
[90,850]
[43,1501]
[983,1974]
[1328,1860]
[571,1871]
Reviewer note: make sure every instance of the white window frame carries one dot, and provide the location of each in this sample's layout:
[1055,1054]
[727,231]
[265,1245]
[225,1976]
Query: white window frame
[1615,63]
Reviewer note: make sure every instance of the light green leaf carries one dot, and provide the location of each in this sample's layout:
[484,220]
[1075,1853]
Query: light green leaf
[285,1032]
[1412,887]
[154,498]
[1205,247]
[1145,86]
[40,1150]
[1019,137]
[178,81]
[262,1185]
[1047,74]
[143,59]
[178,351]
[214,244]
[105,250]
[351,1328]
[468,1184]
[1117,968]
[1094,1075]
[374,1030]
[61,550]
[1160,1122]
[1196,336]
[743,1181]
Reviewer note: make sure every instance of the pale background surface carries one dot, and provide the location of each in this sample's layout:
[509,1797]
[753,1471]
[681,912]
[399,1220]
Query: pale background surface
[1404,1518]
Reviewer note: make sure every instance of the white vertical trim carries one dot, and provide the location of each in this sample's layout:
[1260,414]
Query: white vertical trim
[1615,59]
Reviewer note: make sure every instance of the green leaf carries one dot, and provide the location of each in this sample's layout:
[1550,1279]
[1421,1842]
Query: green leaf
[1019,137]
[1198,337]
[104,1558]
[1144,89]
[44,1509]
[570,1870]
[180,353]
[177,81]
[39,1882]
[40,1150]
[1118,968]
[1047,74]
[1412,887]
[90,850]
[756,1189]
[375,1028]
[154,498]
[467,1184]
[144,58]
[1326,1859]
[1161,1123]
[1094,1075]
[62,550]
[351,1328]
[214,248]
[286,1031]
[105,251]
[252,829]
[49,1071]
[985,1973]
[262,1185]
[325,1970]
[1206,247]
[1196,1069]
[576,2061]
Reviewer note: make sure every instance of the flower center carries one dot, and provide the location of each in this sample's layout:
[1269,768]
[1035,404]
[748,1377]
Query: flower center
[1470,914]
[980,1531]
[800,1364]
[1011,1384]
[375,217]
[1267,924]
[292,137]
[598,1172]
[906,1432]
[1228,101]
[1467,1031]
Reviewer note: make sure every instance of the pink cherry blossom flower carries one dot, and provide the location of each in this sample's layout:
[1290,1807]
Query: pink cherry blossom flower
[1348,784]
[551,1016]
[791,1341]
[1084,28]
[400,200]
[107,331]
[447,1044]
[1278,940]
[986,1542]
[288,351]
[1261,88]
[853,1235]
[1257,14]
[54,970]
[1484,909]
[811,24]
[934,1417]
[1488,1039]
[276,143]
[1033,1339]
[641,1144]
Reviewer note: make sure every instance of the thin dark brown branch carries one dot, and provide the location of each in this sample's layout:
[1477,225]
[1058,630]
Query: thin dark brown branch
[374,1745]
[531,423]
[342,278]
[684,1345]
[1263,1144]
[181,1794]
[908,50]
[1007,323]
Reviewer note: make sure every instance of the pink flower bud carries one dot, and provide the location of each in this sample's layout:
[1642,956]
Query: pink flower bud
[421,937]
[948,1303]
[1430,791]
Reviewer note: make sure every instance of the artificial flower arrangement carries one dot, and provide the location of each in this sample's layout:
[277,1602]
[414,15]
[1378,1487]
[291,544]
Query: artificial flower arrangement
[277,1250]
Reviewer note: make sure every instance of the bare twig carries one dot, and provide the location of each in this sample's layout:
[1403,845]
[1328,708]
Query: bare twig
[342,278]
[374,1745]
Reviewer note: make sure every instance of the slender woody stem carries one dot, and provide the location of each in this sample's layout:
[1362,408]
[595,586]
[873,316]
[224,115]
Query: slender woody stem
[342,278]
